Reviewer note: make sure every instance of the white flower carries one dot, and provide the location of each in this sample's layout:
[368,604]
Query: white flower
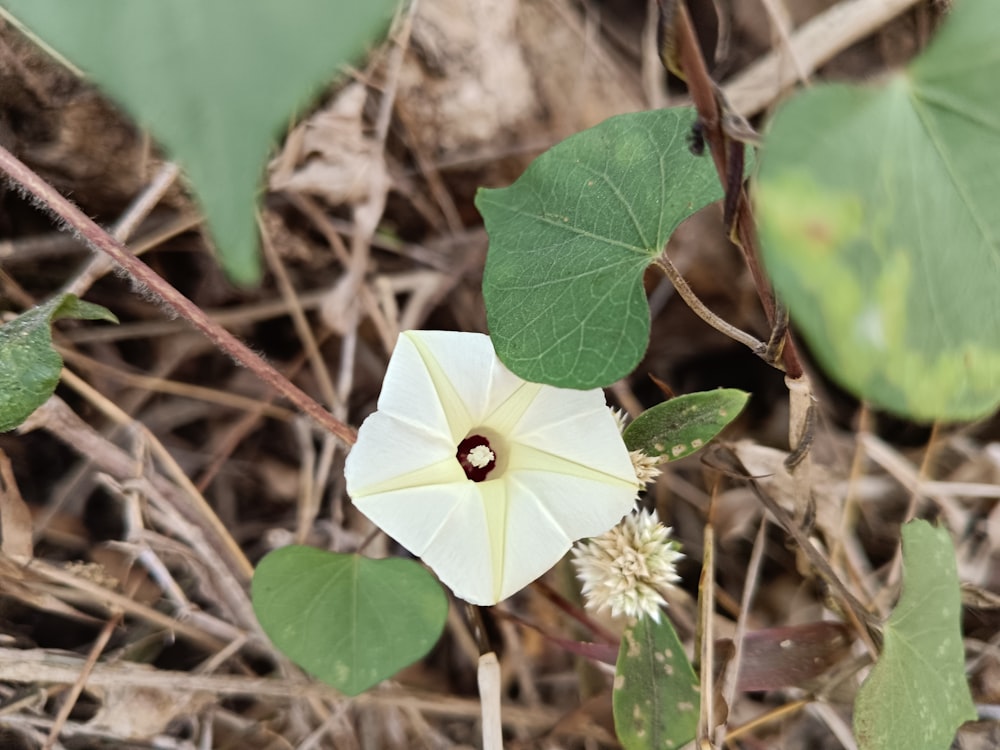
[487,477]
[628,567]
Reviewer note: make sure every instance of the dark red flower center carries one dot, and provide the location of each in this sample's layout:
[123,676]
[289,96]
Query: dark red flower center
[476,457]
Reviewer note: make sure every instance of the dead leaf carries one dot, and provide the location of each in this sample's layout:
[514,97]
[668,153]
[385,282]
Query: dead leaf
[15,516]
[339,309]
[139,713]
[767,465]
[330,156]
[791,655]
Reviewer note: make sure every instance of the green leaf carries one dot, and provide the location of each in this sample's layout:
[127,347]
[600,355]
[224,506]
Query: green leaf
[214,81]
[350,621]
[878,223]
[570,240]
[29,365]
[682,425]
[656,699]
[916,695]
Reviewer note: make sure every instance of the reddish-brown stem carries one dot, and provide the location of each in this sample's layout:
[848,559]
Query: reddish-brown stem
[704,95]
[80,224]
[560,601]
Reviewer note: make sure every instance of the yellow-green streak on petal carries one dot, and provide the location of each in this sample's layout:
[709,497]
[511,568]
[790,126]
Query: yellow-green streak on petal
[454,407]
[527,458]
[494,497]
[509,413]
[446,471]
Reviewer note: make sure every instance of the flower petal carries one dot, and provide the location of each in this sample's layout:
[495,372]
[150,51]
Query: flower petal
[410,394]
[534,542]
[467,362]
[393,454]
[446,526]
[578,427]
[542,515]
[577,506]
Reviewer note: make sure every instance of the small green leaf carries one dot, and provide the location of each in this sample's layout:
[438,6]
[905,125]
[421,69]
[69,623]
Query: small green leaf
[916,695]
[72,307]
[682,425]
[214,81]
[29,365]
[350,621]
[656,698]
[570,240]
[879,228]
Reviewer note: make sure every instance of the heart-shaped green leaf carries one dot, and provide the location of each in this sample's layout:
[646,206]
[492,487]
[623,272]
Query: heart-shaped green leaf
[29,365]
[916,695]
[214,81]
[569,242]
[350,621]
[879,225]
[656,696]
[682,425]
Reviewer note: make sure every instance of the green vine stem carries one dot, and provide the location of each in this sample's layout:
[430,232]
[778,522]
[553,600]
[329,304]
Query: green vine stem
[698,308]
[47,197]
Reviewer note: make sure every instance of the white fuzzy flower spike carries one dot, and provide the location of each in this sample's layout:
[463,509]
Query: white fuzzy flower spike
[628,567]
[487,477]
[647,468]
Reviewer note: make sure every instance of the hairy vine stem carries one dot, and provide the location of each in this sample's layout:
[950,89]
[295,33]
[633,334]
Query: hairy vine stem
[684,57]
[699,308]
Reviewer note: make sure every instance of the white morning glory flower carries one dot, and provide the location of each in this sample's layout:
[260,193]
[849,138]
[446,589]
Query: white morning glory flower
[628,567]
[486,477]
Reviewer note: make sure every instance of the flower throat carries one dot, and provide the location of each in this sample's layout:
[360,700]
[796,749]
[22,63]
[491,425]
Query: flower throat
[476,457]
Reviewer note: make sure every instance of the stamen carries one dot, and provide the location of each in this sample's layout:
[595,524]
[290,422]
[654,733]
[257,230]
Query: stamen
[476,457]
[481,455]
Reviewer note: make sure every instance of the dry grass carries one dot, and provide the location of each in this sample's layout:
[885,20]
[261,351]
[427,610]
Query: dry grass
[134,503]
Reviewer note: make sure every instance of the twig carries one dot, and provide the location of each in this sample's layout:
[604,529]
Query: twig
[914,480]
[652,74]
[811,45]
[69,700]
[144,329]
[298,315]
[240,430]
[725,459]
[778,12]
[230,577]
[325,226]
[780,713]
[835,723]
[731,678]
[108,599]
[38,665]
[576,613]
[196,504]
[705,633]
[49,198]
[174,387]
